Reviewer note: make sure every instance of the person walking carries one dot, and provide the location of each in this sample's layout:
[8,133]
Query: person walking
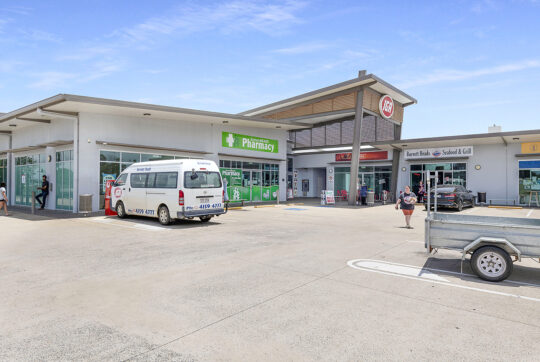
[3,197]
[44,192]
[407,200]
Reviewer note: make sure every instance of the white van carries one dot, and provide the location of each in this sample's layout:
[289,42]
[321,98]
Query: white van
[169,190]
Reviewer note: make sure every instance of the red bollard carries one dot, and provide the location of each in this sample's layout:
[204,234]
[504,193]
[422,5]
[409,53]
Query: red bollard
[108,187]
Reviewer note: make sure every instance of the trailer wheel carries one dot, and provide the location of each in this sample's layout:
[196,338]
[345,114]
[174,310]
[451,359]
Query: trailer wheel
[491,263]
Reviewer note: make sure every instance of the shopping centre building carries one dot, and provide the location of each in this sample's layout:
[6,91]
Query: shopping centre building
[292,148]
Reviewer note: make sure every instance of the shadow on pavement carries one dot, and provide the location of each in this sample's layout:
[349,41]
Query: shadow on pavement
[520,274]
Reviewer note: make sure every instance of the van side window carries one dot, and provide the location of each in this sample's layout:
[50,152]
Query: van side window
[166,180]
[121,180]
[138,180]
[151,180]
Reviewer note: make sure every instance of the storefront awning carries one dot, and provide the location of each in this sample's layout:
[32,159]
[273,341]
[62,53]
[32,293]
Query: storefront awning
[179,150]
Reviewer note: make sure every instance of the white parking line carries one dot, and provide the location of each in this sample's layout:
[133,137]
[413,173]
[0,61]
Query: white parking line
[424,275]
[128,225]
[529,213]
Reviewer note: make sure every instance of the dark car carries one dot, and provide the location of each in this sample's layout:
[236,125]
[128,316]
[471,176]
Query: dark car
[454,196]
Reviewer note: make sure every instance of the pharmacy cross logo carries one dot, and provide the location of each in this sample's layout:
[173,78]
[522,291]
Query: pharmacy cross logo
[230,140]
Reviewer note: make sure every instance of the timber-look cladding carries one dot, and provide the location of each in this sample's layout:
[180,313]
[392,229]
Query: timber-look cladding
[338,103]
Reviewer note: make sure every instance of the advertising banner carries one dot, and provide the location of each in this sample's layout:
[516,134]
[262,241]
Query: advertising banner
[364,156]
[248,143]
[443,152]
[530,147]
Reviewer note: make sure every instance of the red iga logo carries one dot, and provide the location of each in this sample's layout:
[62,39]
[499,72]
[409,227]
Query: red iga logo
[118,192]
[386,106]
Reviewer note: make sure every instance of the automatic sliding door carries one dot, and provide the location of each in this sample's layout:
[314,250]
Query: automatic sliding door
[256,186]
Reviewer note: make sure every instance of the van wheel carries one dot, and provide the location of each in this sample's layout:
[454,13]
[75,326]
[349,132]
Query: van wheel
[205,218]
[163,215]
[491,263]
[121,210]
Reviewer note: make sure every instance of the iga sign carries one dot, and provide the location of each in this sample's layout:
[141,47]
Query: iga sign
[443,152]
[386,106]
[364,156]
[249,143]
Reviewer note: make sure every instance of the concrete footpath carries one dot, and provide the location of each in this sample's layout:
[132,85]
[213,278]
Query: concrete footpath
[290,282]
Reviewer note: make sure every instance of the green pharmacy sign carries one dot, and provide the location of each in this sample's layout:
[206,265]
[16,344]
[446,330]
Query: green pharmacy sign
[249,143]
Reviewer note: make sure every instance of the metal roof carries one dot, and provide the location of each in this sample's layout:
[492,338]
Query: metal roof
[73,104]
[374,82]
[462,140]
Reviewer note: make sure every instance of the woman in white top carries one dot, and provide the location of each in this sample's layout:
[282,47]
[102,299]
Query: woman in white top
[3,197]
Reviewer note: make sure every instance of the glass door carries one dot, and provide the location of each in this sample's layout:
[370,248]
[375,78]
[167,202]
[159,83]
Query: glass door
[368,179]
[245,193]
[256,186]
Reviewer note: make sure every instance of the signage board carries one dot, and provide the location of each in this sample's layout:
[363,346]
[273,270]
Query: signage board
[107,177]
[434,153]
[248,143]
[386,106]
[530,147]
[364,156]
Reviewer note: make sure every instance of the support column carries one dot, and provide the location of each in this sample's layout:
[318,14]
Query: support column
[10,178]
[355,161]
[76,166]
[396,154]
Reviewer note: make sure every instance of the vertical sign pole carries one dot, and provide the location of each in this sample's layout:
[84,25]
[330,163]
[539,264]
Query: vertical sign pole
[355,161]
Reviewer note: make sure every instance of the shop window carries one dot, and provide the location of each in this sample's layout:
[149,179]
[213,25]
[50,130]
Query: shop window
[529,181]
[130,157]
[109,156]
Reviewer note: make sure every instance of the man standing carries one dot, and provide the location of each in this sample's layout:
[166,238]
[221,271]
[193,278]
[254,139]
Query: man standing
[44,192]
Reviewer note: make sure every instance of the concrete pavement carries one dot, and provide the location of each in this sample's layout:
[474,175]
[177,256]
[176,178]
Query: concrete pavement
[255,284]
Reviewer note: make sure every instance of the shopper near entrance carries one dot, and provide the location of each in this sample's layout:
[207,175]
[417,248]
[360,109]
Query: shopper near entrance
[44,192]
[421,192]
[406,200]
[3,197]
[363,194]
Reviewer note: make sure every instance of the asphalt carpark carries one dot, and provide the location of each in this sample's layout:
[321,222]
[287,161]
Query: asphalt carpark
[269,283]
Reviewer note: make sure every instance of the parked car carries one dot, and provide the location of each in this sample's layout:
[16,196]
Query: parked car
[453,196]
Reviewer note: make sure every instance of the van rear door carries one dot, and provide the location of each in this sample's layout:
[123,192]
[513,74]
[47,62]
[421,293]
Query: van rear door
[203,190]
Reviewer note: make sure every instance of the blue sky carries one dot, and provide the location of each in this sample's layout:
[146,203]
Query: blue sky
[469,63]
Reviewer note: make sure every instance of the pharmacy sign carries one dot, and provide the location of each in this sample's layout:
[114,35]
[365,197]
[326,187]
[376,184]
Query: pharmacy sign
[248,143]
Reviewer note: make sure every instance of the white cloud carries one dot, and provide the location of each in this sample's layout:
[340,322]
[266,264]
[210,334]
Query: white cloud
[232,16]
[52,79]
[449,75]
[303,48]
[55,79]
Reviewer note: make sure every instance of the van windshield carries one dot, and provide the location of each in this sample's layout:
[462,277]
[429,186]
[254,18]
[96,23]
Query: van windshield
[202,180]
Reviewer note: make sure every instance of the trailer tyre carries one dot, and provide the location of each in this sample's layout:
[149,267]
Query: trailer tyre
[491,263]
